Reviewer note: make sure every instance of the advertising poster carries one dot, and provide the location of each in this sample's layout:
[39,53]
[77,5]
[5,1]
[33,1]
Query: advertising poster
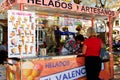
[54,69]
[51,69]
[21,34]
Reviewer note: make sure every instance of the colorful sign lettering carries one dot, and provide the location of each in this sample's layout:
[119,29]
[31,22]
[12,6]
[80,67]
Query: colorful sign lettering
[71,6]
[54,69]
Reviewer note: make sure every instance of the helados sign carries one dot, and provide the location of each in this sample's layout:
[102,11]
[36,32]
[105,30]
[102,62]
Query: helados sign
[72,7]
[63,6]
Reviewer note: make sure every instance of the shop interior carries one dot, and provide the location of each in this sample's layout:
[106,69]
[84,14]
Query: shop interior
[66,26]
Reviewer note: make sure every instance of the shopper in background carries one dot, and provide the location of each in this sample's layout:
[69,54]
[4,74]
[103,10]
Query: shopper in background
[3,52]
[3,46]
[91,49]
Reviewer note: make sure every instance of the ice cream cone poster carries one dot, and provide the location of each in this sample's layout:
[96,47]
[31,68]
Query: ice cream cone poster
[54,69]
[21,33]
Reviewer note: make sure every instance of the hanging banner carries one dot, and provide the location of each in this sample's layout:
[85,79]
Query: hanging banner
[21,34]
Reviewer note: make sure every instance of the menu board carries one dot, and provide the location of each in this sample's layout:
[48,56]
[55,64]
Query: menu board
[21,34]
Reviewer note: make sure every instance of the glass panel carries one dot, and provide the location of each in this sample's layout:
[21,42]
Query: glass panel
[53,33]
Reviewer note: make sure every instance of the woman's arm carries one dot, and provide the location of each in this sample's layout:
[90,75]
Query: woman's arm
[84,49]
[102,44]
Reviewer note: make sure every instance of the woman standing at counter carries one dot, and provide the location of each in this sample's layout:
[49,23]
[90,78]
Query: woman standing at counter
[91,49]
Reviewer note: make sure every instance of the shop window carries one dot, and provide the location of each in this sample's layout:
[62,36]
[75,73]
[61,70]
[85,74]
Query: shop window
[52,34]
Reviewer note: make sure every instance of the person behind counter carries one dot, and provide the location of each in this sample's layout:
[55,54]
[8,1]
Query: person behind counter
[67,37]
[3,52]
[91,50]
[72,46]
[57,34]
[78,29]
[50,37]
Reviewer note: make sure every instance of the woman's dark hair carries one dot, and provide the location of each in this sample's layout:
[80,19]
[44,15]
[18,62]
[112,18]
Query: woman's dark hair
[79,37]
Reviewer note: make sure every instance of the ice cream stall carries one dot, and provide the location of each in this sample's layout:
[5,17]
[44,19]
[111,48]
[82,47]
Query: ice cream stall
[30,21]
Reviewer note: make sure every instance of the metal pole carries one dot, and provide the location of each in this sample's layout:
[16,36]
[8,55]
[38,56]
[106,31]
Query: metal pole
[92,21]
[21,6]
[110,48]
[21,9]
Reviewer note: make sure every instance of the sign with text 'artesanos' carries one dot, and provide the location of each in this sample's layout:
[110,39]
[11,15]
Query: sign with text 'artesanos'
[70,6]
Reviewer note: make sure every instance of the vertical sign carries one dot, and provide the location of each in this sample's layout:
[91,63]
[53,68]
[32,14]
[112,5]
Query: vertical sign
[21,34]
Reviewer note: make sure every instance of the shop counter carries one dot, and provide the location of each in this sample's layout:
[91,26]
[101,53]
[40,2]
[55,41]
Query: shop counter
[50,68]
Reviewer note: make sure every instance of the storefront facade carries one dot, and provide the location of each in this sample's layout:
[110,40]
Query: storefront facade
[26,38]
